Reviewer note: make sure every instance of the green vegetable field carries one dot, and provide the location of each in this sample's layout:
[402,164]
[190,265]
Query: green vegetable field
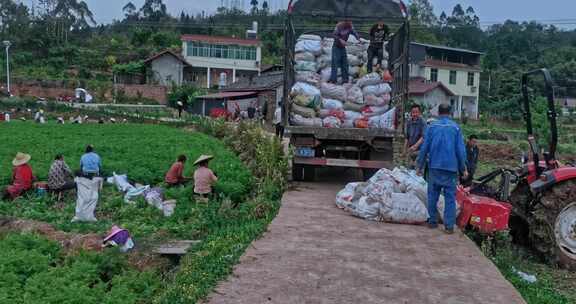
[225,226]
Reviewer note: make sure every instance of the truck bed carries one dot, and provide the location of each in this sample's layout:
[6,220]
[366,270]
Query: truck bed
[341,133]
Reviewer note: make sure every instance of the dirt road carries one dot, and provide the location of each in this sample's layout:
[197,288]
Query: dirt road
[316,253]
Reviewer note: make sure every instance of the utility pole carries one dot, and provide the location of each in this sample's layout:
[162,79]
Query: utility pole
[7,44]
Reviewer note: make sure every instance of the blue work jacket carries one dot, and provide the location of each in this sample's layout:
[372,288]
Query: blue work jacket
[443,147]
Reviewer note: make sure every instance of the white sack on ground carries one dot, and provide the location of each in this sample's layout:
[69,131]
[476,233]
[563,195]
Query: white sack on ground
[403,208]
[351,193]
[87,198]
[367,208]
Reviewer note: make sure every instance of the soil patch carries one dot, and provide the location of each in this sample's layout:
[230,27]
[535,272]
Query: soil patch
[500,154]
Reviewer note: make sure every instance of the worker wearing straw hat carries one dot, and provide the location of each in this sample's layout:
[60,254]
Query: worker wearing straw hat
[204,178]
[22,176]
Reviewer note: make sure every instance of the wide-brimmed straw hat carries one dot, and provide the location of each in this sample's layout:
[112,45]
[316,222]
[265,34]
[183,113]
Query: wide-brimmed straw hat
[203,158]
[21,159]
[115,230]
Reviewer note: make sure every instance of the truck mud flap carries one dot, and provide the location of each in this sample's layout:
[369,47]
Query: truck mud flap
[337,162]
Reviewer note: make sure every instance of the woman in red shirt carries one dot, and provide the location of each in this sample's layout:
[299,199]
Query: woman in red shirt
[174,176]
[22,177]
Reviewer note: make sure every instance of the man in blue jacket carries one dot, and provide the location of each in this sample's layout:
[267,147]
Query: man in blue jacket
[445,153]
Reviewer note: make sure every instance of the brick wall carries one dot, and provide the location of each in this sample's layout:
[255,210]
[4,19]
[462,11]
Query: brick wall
[53,91]
[40,91]
[156,92]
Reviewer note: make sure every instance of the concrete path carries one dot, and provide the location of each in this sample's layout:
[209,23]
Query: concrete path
[316,253]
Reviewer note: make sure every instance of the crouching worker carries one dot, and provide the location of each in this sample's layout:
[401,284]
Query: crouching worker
[22,177]
[60,177]
[118,237]
[174,177]
[204,178]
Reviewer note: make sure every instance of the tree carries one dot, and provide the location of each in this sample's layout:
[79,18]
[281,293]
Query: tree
[265,8]
[130,11]
[154,10]
[443,19]
[425,20]
[254,4]
[423,13]
[62,16]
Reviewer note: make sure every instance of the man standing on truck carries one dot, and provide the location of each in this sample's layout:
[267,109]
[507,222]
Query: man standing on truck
[342,32]
[445,152]
[378,34]
[415,129]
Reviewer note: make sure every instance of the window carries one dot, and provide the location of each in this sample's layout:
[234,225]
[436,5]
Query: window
[453,75]
[471,79]
[198,49]
[433,75]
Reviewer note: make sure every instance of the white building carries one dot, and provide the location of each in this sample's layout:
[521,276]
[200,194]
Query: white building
[208,61]
[210,56]
[458,70]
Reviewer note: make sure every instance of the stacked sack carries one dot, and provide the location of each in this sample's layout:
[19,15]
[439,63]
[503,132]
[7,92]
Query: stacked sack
[398,196]
[363,103]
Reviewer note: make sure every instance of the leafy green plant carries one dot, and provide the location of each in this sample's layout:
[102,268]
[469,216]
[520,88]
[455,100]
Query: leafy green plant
[186,94]
[34,270]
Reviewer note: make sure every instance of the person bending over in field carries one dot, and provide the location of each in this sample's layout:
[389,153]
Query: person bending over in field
[204,178]
[174,177]
[22,177]
[60,177]
[90,163]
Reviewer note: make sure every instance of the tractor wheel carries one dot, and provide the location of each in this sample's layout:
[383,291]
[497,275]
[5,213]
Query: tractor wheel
[553,232]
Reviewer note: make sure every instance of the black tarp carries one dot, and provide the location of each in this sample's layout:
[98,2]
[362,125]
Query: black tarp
[373,9]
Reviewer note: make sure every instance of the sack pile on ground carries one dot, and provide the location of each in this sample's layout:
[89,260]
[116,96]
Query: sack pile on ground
[398,196]
[363,103]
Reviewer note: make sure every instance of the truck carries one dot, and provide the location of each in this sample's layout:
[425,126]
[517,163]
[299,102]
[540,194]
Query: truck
[365,149]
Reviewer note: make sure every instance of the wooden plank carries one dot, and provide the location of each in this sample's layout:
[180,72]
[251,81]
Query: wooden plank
[175,247]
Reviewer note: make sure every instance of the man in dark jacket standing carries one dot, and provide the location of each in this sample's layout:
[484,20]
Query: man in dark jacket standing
[378,34]
[445,152]
[472,154]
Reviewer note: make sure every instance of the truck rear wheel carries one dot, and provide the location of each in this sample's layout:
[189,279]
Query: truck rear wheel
[553,229]
[297,173]
[309,173]
[303,173]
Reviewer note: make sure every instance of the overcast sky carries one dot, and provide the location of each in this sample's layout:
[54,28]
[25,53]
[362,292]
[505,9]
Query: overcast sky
[488,10]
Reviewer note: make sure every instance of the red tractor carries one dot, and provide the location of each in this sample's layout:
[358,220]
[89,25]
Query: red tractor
[543,202]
